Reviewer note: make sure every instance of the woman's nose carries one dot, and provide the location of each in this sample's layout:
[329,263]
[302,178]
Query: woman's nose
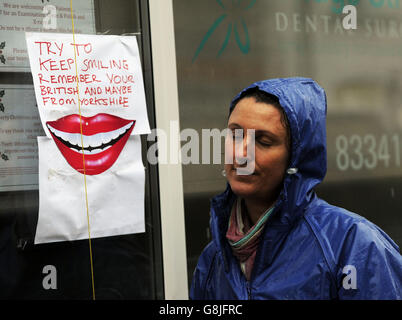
[244,148]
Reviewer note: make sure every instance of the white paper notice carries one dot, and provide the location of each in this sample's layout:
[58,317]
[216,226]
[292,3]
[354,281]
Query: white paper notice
[19,127]
[20,16]
[91,101]
[115,197]
[109,76]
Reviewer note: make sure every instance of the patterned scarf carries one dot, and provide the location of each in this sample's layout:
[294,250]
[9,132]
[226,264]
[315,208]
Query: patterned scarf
[243,237]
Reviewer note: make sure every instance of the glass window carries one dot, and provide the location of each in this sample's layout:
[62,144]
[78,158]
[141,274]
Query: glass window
[124,267]
[228,45]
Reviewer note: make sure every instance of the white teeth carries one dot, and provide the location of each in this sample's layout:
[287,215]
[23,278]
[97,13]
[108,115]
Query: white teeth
[75,139]
[85,141]
[92,141]
[95,151]
[106,138]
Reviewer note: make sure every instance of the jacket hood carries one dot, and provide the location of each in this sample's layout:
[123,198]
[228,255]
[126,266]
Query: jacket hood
[305,105]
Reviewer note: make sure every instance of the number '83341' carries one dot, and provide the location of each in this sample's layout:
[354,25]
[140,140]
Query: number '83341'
[367,152]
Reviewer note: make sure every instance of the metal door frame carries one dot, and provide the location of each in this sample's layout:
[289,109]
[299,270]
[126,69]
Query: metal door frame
[166,108]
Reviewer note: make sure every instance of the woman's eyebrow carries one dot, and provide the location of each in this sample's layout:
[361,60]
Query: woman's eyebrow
[234,125]
[268,133]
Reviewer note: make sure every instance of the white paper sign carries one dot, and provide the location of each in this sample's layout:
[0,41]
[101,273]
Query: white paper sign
[20,16]
[19,127]
[91,100]
[109,76]
[115,197]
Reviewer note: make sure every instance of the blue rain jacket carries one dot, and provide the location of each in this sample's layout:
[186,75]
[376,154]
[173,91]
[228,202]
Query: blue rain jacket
[309,249]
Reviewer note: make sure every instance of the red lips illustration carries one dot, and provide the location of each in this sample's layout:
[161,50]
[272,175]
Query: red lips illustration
[103,137]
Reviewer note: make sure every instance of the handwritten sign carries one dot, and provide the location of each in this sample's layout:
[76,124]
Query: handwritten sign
[90,95]
[108,72]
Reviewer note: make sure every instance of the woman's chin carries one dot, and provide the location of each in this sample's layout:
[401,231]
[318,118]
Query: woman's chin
[243,189]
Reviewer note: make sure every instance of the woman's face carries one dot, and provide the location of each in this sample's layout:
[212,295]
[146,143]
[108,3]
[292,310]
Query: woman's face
[271,153]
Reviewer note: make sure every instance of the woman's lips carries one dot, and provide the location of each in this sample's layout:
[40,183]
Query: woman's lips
[103,138]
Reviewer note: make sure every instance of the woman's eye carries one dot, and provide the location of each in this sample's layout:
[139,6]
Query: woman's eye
[265,143]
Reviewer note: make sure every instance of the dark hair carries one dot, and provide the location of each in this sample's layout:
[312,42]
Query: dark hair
[264,97]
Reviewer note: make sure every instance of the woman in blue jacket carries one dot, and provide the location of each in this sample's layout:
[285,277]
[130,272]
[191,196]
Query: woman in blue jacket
[273,238]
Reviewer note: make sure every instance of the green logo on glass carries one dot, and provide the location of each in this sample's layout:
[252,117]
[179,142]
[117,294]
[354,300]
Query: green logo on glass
[237,5]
